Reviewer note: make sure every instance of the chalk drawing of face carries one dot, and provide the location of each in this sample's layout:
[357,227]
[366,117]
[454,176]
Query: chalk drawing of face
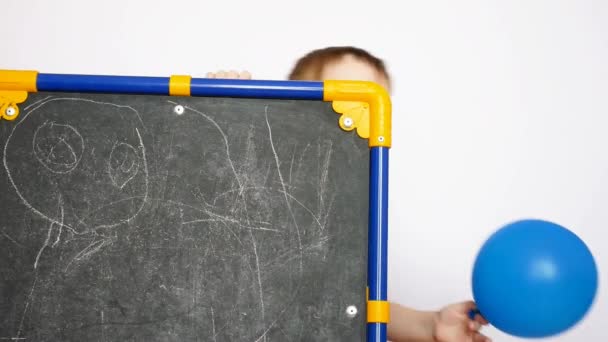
[75,170]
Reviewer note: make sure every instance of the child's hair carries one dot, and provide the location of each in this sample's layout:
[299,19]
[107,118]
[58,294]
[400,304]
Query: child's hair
[310,67]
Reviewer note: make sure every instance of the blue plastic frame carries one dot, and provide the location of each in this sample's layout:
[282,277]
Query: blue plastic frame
[296,90]
[377,268]
[210,87]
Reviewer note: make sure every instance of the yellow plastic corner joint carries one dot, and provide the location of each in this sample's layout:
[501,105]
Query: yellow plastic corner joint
[363,105]
[179,85]
[14,88]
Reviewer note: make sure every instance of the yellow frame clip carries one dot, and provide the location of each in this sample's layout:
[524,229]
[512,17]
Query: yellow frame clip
[179,85]
[365,106]
[14,88]
[378,311]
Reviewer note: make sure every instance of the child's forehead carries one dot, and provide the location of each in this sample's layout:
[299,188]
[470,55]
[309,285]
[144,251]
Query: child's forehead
[352,68]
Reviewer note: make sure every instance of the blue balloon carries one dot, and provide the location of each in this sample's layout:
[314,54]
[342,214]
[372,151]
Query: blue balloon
[534,278]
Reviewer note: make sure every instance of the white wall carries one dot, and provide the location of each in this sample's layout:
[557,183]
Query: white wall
[500,107]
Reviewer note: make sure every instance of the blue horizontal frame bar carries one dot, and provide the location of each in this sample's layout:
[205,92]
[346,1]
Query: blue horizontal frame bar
[302,90]
[297,90]
[103,84]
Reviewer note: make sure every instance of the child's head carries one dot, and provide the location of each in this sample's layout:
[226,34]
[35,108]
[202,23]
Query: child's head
[341,63]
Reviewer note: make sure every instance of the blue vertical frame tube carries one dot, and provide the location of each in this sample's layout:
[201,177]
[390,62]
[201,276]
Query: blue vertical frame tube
[378,236]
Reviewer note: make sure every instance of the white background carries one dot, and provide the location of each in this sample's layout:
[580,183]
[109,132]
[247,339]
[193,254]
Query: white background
[500,107]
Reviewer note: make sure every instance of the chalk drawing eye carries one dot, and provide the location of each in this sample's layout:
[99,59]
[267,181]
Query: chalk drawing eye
[58,147]
[123,164]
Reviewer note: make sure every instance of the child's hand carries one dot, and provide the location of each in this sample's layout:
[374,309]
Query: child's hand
[452,324]
[243,75]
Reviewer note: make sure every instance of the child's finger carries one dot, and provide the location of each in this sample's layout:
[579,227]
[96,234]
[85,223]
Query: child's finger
[474,325]
[245,75]
[479,318]
[481,338]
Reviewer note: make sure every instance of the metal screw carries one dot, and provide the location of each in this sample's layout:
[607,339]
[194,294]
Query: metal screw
[348,122]
[351,311]
[380,138]
[10,111]
[179,110]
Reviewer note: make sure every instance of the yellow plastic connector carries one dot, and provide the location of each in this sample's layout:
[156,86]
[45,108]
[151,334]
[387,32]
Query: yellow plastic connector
[377,311]
[363,105]
[355,115]
[179,85]
[14,88]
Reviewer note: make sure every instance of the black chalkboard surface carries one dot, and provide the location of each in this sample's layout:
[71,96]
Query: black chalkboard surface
[157,218]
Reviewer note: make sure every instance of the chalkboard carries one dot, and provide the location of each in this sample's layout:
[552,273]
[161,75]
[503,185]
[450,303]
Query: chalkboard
[157,218]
